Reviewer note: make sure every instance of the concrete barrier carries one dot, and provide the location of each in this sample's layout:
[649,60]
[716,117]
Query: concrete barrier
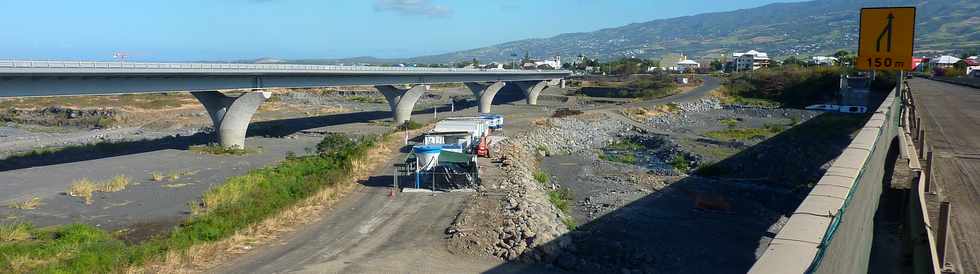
[833,228]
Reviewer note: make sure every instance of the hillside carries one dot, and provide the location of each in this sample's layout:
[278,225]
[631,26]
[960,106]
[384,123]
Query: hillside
[782,29]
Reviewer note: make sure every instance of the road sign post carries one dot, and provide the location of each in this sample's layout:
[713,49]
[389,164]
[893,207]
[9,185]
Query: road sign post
[886,40]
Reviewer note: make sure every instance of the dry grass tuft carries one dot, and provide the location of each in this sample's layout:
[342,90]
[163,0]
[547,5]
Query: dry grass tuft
[14,232]
[23,263]
[83,188]
[157,176]
[115,184]
[32,203]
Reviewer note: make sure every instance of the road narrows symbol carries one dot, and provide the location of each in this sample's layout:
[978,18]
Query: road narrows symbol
[888,31]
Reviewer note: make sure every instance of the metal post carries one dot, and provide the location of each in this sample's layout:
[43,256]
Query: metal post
[394,183]
[941,233]
[435,113]
[922,143]
[901,81]
[928,172]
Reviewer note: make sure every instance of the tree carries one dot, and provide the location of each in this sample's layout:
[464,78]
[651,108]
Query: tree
[717,65]
[792,60]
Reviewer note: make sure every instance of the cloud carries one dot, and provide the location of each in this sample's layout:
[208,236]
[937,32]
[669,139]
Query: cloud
[413,8]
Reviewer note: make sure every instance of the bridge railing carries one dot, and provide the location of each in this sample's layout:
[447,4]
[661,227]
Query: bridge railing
[233,66]
[928,240]
[832,229]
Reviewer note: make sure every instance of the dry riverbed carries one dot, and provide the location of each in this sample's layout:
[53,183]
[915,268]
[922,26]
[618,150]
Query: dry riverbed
[696,188]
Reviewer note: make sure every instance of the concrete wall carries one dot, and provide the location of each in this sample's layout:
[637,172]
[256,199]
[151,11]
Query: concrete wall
[832,230]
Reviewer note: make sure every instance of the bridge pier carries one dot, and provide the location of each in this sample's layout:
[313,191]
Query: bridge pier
[532,89]
[231,115]
[402,101]
[485,93]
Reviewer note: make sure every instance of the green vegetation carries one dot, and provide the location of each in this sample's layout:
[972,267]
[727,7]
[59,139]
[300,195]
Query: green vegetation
[625,145]
[367,99]
[561,198]
[681,163]
[410,125]
[225,209]
[711,169]
[542,177]
[217,149]
[790,85]
[729,122]
[569,223]
[650,86]
[14,232]
[622,151]
[741,134]
[626,158]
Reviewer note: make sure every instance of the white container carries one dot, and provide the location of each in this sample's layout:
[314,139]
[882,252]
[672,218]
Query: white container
[428,156]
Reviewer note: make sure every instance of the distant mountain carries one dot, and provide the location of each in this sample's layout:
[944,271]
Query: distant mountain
[781,29]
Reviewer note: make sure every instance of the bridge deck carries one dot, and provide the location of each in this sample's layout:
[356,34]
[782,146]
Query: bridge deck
[51,78]
[951,117]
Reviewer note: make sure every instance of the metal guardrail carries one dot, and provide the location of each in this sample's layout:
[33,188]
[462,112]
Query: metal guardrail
[928,239]
[256,67]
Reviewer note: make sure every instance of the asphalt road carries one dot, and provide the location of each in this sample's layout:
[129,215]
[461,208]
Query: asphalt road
[710,84]
[951,117]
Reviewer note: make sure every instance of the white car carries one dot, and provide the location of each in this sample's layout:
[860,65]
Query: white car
[824,107]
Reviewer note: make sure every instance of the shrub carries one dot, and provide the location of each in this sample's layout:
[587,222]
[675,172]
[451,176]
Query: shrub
[410,125]
[561,198]
[792,86]
[681,163]
[542,177]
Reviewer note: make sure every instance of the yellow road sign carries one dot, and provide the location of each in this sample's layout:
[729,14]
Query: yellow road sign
[887,35]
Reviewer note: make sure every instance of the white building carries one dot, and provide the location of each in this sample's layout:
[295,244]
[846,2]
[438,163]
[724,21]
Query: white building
[554,63]
[686,65]
[944,61]
[751,60]
[823,60]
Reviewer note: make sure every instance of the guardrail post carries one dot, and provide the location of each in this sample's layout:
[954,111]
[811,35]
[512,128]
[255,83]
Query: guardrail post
[941,233]
[922,143]
[918,122]
[928,171]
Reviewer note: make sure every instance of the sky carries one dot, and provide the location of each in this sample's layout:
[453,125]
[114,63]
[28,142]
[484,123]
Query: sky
[225,30]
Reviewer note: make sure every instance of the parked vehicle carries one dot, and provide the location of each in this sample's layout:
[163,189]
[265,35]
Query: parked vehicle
[853,109]
[823,107]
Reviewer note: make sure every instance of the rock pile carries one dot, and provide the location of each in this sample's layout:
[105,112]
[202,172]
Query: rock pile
[574,134]
[701,105]
[529,225]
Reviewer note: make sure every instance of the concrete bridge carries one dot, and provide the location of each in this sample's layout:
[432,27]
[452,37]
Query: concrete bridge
[231,113]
